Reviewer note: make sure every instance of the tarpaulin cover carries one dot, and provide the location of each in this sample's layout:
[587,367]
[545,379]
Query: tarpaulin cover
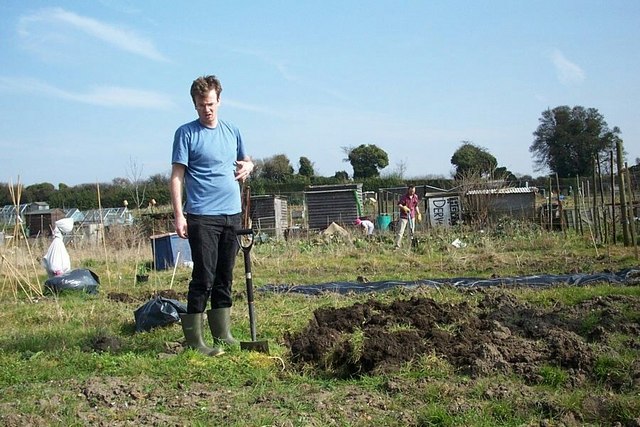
[627,276]
[74,280]
[158,312]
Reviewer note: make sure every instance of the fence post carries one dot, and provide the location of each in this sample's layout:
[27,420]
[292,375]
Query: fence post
[623,196]
[632,223]
[604,207]
[613,198]
[596,211]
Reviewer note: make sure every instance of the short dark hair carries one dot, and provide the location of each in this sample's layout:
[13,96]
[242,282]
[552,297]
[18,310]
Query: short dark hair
[203,85]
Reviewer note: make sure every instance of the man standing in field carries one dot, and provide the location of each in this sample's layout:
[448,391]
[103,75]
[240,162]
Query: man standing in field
[409,212]
[208,160]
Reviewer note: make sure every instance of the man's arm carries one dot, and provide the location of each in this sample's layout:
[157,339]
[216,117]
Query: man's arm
[403,204]
[418,214]
[175,187]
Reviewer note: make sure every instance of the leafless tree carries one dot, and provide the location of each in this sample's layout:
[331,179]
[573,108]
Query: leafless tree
[401,168]
[138,186]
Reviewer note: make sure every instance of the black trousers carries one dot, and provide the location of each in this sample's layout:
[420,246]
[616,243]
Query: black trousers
[214,247]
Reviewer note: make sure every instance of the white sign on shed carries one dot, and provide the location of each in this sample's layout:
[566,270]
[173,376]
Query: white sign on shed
[444,211]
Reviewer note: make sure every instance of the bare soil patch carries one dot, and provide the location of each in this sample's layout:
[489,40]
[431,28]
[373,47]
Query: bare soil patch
[499,335]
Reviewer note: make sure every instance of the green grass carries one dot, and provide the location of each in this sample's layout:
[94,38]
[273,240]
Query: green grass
[554,376]
[51,375]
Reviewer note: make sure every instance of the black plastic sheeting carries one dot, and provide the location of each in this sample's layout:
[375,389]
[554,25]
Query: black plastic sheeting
[628,276]
[157,312]
[74,280]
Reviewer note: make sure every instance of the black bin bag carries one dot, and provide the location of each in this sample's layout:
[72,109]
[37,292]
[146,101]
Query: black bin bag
[158,312]
[74,280]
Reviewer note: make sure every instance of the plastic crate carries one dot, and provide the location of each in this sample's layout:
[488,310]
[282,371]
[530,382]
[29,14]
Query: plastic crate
[169,250]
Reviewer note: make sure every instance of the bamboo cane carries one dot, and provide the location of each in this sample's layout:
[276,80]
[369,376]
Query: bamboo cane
[596,212]
[576,205]
[613,199]
[603,206]
[562,223]
[104,243]
[631,216]
[19,231]
[623,196]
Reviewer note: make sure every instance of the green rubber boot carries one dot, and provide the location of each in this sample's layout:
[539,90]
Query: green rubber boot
[192,328]
[220,325]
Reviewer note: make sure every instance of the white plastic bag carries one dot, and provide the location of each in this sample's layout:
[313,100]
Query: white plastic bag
[56,261]
[65,225]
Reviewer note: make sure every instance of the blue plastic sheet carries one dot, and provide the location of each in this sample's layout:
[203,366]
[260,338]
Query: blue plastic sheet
[627,276]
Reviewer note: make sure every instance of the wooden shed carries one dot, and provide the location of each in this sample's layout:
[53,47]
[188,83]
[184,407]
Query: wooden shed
[269,214]
[325,204]
[42,222]
[503,202]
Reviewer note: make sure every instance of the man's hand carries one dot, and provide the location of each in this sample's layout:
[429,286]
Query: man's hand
[419,217]
[406,209]
[243,169]
[181,226]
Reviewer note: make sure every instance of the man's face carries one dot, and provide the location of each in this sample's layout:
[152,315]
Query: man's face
[207,108]
[412,191]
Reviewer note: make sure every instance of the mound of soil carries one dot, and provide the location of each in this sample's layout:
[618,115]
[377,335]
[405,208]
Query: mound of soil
[499,335]
[165,293]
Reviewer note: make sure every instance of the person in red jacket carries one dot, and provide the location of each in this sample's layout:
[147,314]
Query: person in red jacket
[409,213]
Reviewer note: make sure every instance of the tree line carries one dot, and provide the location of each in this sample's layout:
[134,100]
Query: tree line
[566,143]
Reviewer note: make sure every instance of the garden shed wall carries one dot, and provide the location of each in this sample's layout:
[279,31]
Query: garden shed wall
[512,202]
[325,204]
[269,214]
[42,222]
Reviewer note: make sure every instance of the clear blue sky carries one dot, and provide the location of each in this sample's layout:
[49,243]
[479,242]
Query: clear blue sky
[89,87]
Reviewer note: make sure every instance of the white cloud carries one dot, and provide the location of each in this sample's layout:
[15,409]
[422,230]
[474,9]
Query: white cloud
[122,39]
[105,96]
[568,73]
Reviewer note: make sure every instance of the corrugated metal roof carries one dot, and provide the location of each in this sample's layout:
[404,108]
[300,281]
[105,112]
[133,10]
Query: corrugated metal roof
[508,190]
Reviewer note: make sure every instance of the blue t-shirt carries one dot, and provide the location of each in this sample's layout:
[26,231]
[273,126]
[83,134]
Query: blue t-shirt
[209,155]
